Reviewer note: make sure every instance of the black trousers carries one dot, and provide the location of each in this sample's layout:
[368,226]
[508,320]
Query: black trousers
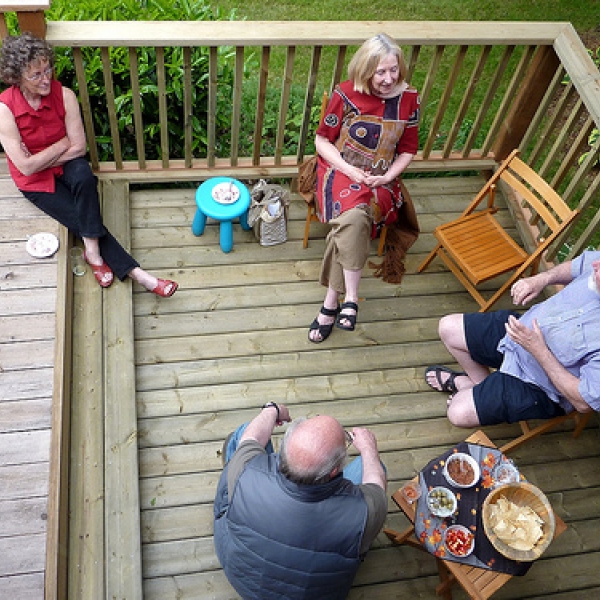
[75,204]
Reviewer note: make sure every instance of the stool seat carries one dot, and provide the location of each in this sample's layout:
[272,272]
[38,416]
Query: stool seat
[207,206]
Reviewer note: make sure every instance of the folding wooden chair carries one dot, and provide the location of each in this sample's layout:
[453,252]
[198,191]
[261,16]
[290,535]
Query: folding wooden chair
[476,248]
[311,204]
[528,432]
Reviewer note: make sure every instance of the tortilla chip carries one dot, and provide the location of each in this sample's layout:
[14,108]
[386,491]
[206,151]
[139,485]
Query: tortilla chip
[519,527]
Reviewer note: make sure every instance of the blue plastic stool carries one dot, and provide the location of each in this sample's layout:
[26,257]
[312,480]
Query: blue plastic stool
[224,213]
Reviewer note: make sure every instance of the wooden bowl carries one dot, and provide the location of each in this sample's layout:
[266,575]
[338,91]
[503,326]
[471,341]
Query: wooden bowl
[521,494]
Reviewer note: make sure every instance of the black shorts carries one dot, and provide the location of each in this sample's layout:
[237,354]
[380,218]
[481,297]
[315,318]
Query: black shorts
[502,398]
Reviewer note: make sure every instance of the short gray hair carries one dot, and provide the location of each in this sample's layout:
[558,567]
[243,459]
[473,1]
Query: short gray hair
[320,473]
[18,52]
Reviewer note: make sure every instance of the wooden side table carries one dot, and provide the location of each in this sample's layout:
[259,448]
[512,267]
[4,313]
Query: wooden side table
[479,583]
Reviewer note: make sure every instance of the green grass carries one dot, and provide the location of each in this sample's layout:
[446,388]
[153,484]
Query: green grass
[583,14]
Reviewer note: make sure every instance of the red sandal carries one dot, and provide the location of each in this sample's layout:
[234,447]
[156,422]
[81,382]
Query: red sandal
[162,288]
[101,272]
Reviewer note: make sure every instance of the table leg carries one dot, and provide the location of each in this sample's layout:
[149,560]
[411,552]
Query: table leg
[244,221]
[199,223]
[226,236]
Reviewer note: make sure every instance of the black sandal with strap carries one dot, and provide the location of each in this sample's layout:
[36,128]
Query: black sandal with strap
[324,330]
[350,318]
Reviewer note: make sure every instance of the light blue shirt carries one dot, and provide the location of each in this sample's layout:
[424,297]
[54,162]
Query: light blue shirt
[570,322]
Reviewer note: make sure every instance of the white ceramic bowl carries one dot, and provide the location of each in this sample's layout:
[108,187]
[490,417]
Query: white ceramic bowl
[459,541]
[454,464]
[441,502]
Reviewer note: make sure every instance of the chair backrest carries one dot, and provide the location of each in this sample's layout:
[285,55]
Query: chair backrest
[544,202]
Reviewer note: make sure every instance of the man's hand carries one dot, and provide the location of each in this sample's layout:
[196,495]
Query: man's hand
[284,414]
[527,289]
[364,440]
[531,340]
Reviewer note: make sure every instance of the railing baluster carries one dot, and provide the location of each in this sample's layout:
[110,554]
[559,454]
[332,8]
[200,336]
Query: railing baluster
[466,101]
[188,111]
[508,97]
[427,87]
[110,107]
[260,104]
[308,101]
[162,106]
[554,119]
[237,104]
[543,109]
[213,74]
[488,100]
[88,120]
[591,231]
[555,152]
[574,151]
[284,104]
[445,98]
[138,123]
[338,71]
[411,62]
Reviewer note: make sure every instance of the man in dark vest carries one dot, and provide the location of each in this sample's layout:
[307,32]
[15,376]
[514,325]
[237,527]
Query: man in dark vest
[297,524]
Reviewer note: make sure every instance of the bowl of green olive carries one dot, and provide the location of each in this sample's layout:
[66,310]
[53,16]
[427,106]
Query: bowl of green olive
[441,502]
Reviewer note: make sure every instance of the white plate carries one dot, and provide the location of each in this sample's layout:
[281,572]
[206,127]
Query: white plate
[42,245]
[225,193]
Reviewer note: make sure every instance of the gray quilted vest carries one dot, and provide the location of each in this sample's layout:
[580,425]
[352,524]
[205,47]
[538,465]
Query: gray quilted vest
[279,540]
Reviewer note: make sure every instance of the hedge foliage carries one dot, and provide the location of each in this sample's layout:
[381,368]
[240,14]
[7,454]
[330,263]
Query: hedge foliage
[168,10]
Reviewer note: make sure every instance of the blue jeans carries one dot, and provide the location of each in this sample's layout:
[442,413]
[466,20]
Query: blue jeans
[352,471]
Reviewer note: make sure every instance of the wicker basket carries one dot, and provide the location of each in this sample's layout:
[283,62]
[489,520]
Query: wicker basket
[521,494]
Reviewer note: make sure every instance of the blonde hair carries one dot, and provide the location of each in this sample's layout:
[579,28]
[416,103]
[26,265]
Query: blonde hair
[364,63]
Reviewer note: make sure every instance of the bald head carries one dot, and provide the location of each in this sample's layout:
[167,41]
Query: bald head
[313,450]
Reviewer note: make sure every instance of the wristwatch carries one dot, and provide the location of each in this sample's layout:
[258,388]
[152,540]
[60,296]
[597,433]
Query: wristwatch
[269,404]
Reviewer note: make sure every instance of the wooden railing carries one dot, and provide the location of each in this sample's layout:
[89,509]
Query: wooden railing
[486,88]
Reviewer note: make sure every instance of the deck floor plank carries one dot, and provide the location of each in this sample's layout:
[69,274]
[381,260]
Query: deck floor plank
[232,336]
[235,334]
[27,328]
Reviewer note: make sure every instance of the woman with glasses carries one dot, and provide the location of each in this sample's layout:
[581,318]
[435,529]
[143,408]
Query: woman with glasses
[42,134]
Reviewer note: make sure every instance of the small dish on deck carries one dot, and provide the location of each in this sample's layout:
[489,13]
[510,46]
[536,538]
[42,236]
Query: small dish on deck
[42,245]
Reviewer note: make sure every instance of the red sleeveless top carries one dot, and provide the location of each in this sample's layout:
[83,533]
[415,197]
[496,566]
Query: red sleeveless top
[39,129]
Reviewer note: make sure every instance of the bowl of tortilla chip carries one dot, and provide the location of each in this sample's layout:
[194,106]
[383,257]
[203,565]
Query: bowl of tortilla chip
[518,520]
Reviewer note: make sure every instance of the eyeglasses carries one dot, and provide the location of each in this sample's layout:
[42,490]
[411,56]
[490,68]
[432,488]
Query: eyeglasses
[349,438]
[38,76]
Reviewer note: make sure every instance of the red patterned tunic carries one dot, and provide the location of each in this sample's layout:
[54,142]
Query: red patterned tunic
[370,132]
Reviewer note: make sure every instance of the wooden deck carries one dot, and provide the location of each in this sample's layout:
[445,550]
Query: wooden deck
[28,294]
[191,368]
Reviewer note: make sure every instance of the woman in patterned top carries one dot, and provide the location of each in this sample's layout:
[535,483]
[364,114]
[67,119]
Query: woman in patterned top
[367,138]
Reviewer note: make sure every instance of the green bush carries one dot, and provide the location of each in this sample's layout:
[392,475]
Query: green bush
[150,10]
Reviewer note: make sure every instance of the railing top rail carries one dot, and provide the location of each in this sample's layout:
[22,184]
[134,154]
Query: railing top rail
[286,33]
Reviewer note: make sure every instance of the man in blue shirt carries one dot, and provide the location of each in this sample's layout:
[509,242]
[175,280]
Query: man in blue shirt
[547,362]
